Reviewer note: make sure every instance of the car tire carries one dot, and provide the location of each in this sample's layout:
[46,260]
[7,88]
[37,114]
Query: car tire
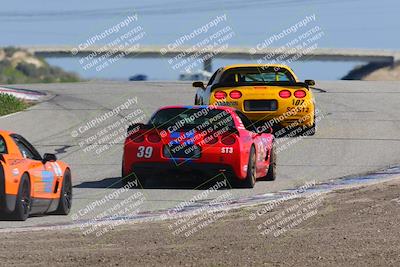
[141,182]
[127,178]
[24,200]
[271,174]
[65,203]
[124,177]
[310,131]
[250,180]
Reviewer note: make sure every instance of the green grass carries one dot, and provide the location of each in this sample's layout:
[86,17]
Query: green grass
[10,104]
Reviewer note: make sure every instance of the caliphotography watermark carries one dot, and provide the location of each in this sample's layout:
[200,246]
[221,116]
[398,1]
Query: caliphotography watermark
[292,216]
[114,209]
[195,131]
[210,39]
[109,128]
[279,218]
[186,220]
[107,47]
[296,132]
[302,38]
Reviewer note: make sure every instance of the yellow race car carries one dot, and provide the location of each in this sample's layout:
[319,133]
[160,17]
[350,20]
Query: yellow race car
[270,95]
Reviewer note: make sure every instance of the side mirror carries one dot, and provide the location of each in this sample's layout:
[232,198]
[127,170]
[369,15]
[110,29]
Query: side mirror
[198,85]
[309,82]
[49,158]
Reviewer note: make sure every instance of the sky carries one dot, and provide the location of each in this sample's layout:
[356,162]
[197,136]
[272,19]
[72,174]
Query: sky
[345,24]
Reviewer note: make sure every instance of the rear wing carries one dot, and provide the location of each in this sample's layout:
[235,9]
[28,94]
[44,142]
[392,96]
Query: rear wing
[133,128]
[298,84]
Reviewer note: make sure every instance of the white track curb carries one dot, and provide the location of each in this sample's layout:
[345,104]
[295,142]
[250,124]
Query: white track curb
[25,94]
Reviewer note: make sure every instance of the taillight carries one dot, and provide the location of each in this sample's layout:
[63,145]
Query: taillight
[299,94]
[167,152]
[220,95]
[210,139]
[235,94]
[153,138]
[137,137]
[228,139]
[285,93]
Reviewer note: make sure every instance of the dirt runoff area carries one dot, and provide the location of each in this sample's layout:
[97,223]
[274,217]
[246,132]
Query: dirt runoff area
[349,227]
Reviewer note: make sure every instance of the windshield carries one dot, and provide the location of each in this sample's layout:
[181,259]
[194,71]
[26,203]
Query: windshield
[257,75]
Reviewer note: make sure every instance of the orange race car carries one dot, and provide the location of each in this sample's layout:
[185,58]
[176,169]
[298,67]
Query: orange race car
[30,183]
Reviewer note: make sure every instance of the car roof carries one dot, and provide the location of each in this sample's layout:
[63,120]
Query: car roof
[255,65]
[4,132]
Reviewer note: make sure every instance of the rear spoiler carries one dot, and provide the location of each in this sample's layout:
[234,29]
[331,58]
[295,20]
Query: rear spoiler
[137,127]
[299,84]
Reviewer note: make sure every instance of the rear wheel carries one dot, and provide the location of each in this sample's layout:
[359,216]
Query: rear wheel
[24,200]
[197,100]
[271,174]
[310,131]
[65,203]
[130,178]
[250,180]
[124,178]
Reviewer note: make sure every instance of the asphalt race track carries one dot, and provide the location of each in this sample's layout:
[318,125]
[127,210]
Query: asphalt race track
[359,131]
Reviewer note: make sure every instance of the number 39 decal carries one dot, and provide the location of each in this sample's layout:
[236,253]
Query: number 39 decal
[145,152]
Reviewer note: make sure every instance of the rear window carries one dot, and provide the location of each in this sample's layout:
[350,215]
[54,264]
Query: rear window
[190,118]
[256,75]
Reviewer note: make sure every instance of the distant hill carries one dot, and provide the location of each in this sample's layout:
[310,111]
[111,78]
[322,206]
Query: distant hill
[374,72]
[19,66]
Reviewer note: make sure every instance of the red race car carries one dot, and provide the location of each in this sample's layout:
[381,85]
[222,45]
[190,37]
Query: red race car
[30,183]
[200,140]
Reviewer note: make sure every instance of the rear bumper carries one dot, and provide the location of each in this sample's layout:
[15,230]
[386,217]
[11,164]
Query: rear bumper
[187,168]
[278,121]
[211,161]
[281,114]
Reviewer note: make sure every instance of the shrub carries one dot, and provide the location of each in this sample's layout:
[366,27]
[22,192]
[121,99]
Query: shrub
[10,104]
[29,73]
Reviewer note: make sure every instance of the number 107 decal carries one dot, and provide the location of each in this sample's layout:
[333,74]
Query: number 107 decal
[297,102]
